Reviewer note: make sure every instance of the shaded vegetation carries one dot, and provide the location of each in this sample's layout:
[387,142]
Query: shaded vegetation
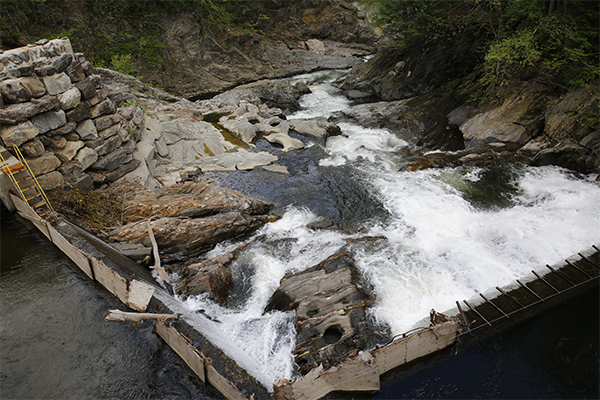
[123,35]
[555,41]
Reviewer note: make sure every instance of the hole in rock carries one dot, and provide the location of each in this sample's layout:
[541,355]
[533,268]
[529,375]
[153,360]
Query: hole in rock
[332,334]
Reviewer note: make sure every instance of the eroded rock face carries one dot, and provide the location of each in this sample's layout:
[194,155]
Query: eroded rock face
[192,200]
[330,305]
[182,235]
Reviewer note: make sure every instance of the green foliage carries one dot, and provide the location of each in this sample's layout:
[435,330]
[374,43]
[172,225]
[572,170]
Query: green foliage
[122,64]
[554,39]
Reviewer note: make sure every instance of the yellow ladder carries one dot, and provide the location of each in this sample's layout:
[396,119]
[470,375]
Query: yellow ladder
[28,186]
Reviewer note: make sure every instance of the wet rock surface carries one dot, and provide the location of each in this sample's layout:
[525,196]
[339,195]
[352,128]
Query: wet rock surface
[330,303]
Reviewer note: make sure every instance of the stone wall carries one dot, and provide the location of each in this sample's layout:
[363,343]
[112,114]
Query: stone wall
[58,113]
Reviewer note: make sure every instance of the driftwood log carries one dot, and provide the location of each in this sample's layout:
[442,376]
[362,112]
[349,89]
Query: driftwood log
[118,315]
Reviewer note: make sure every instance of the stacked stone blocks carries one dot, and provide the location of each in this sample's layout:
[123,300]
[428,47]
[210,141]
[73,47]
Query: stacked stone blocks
[60,115]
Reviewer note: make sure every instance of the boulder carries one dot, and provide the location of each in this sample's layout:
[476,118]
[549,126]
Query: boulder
[87,157]
[191,200]
[43,164]
[70,99]
[18,134]
[330,304]
[69,151]
[33,148]
[190,235]
[49,120]
[87,129]
[57,83]
[14,91]
[21,112]
[51,180]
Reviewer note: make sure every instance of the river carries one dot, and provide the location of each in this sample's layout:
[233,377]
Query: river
[451,233]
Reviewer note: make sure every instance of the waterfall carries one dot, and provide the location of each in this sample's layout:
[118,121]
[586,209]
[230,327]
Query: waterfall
[451,233]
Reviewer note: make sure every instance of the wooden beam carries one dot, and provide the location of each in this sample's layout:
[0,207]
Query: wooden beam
[118,315]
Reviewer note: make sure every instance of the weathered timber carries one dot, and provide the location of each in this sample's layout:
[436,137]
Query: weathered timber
[362,372]
[122,316]
[161,271]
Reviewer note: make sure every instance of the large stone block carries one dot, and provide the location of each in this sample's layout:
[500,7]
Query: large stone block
[112,161]
[63,62]
[18,134]
[71,169]
[109,145]
[21,112]
[52,180]
[107,121]
[70,99]
[87,86]
[75,71]
[110,132]
[49,120]
[104,107]
[122,170]
[87,157]
[57,83]
[58,142]
[87,130]
[35,85]
[63,130]
[81,112]
[69,151]
[33,148]
[14,91]
[43,164]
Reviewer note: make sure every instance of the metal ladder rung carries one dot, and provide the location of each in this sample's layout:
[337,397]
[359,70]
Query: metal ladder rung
[38,194]
[23,179]
[41,203]
[26,188]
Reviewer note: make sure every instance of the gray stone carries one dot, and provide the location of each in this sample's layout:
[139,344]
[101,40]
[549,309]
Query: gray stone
[69,151]
[122,170]
[87,157]
[63,62]
[109,145]
[35,85]
[57,83]
[107,121]
[33,148]
[129,146]
[70,99]
[240,127]
[75,71]
[79,113]
[18,134]
[20,112]
[111,161]
[71,170]
[174,131]
[49,120]
[109,132]
[145,152]
[14,91]
[87,129]
[43,164]
[82,182]
[51,180]
[93,143]
[161,147]
[58,142]
[285,140]
[101,94]
[63,130]
[87,67]
[104,107]
[87,86]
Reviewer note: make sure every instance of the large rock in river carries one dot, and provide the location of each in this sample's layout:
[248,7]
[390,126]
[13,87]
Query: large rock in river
[175,235]
[191,199]
[330,304]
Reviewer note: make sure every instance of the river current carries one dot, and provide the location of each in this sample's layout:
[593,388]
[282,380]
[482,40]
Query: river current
[451,233]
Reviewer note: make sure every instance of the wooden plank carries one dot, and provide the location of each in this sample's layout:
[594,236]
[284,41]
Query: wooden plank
[108,278]
[27,212]
[139,295]
[188,353]
[417,345]
[222,384]
[71,251]
[358,374]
